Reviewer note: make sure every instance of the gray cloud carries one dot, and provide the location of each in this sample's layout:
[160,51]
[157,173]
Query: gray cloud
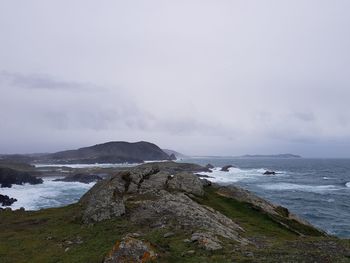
[38,82]
[202,77]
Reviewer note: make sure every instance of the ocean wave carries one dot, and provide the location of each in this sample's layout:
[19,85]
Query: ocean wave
[235,174]
[45,195]
[299,187]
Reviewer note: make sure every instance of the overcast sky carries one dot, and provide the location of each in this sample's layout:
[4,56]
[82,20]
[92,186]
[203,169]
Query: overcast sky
[201,77]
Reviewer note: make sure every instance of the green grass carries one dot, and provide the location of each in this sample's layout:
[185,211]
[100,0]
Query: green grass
[250,218]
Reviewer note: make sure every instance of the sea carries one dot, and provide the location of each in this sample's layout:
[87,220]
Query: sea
[317,190]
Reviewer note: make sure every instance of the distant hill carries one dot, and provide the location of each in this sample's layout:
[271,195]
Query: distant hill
[110,152]
[285,155]
[177,154]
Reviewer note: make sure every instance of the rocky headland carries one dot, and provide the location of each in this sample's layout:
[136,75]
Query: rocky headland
[109,152]
[163,212]
[9,176]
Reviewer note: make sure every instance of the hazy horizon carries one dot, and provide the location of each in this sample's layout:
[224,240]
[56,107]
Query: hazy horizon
[223,78]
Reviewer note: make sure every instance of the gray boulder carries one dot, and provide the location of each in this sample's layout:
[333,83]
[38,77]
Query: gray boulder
[207,241]
[105,199]
[186,182]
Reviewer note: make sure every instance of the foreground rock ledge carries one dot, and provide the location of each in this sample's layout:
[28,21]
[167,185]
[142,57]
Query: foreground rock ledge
[149,196]
[163,195]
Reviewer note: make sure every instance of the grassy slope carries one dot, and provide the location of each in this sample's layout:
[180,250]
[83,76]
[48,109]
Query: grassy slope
[43,236]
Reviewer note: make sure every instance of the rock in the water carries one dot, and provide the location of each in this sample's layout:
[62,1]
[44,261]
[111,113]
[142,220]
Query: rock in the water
[9,176]
[172,157]
[130,249]
[6,201]
[209,166]
[269,173]
[81,178]
[226,168]
[206,241]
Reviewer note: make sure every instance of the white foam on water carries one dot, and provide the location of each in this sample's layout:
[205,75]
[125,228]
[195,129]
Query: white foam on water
[236,174]
[45,195]
[347,184]
[299,187]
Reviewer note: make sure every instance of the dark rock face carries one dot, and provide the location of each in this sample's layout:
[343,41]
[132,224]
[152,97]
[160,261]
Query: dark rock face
[226,168]
[6,201]
[8,177]
[209,166]
[111,152]
[172,157]
[269,173]
[81,178]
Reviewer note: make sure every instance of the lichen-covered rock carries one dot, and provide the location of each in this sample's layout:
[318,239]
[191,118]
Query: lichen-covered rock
[154,182]
[130,249]
[105,199]
[178,210]
[186,182]
[207,241]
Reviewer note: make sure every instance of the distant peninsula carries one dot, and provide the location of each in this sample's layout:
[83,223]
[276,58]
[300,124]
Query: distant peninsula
[285,155]
[109,152]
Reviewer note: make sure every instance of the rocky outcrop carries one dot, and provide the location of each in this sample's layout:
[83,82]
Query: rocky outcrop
[279,214]
[8,177]
[81,178]
[162,197]
[105,199]
[150,196]
[6,201]
[226,168]
[131,249]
